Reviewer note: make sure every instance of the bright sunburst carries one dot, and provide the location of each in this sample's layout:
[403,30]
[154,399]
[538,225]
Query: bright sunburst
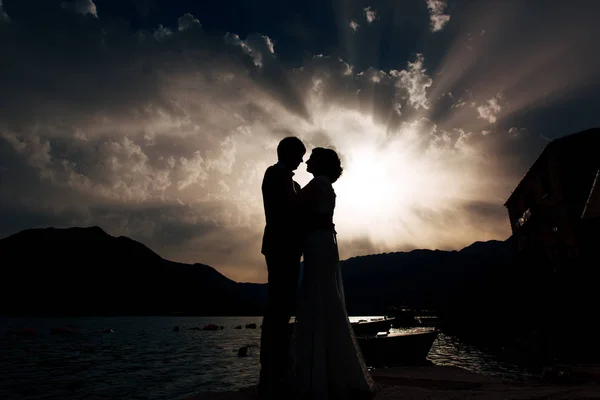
[392,180]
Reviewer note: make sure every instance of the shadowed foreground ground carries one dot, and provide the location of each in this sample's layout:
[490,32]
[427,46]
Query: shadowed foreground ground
[434,382]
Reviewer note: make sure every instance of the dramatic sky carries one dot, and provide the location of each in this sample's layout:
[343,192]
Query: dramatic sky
[156,119]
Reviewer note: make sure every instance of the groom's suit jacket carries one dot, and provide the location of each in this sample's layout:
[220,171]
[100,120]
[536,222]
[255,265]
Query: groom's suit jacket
[281,236]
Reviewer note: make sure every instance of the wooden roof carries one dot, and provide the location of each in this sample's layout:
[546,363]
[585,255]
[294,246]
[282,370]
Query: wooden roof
[565,144]
[592,206]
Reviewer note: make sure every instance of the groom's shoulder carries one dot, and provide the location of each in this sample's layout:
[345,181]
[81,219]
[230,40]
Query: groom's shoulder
[272,168]
[274,171]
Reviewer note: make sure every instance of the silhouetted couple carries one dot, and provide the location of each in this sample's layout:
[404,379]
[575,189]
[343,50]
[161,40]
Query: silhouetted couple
[319,358]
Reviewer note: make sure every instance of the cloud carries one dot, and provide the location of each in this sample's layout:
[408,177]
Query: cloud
[353,25]
[83,7]
[370,14]
[188,21]
[491,109]
[3,16]
[436,14]
[459,103]
[35,149]
[269,71]
[415,81]
[514,131]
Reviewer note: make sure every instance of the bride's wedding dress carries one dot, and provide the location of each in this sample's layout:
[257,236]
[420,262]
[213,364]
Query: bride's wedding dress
[327,362]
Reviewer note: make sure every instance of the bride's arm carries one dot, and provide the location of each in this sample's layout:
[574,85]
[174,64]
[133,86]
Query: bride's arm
[305,198]
[304,205]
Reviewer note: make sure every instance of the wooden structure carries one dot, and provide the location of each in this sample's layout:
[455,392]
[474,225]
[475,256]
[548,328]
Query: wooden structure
[555,209]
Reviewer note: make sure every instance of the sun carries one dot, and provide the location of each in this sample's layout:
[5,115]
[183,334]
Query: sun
[378,191]
[391,181]
[368,185]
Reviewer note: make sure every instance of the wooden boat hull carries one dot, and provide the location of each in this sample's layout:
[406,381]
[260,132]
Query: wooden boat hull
[372,327]
[397,348]
[368,327]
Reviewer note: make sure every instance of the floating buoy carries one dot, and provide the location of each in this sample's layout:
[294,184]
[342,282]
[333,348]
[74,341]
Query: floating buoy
[238,327]
[108,330]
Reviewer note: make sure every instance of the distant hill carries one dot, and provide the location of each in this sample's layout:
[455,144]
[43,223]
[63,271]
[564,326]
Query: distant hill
[85,271]
[424,278]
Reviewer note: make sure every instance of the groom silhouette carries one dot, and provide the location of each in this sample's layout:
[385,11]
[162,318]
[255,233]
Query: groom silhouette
[282,252]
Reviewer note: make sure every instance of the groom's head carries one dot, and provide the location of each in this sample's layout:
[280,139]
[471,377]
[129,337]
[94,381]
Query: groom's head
[290,152]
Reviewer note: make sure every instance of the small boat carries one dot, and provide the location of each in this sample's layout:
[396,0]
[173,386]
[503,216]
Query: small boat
[389,349]
[407,317]
[372,327]
[404,317]
[365,327]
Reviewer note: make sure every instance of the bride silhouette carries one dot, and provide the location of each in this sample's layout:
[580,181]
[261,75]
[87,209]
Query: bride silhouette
[326,360]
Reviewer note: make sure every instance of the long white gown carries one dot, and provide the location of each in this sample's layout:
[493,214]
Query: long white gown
[327,362]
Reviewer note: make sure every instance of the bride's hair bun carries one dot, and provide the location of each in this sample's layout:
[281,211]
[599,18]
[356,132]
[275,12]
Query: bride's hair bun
[330,164]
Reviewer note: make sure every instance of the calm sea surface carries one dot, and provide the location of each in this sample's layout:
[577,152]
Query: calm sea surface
[144,359]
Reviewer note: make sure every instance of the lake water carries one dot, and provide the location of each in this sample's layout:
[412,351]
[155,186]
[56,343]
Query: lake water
[144,359]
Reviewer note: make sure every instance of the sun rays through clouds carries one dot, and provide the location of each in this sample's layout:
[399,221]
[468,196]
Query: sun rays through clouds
[162,131]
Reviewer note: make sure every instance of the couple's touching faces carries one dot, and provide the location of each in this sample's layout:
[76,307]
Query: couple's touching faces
[293,161]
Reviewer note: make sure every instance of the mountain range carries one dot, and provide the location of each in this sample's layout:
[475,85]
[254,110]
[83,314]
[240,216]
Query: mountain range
[85,271]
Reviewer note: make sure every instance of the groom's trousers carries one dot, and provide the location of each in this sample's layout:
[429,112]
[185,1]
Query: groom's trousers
[276,333]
